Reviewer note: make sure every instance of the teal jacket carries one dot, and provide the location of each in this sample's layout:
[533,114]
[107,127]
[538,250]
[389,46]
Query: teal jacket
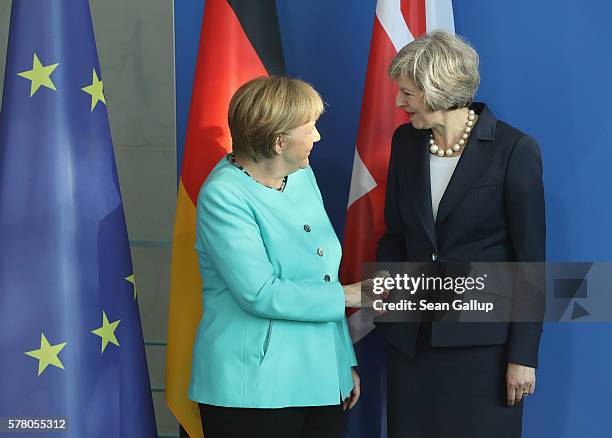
[273,332]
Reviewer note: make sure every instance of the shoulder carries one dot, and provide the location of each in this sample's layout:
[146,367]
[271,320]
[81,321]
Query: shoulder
[303,178]
[219,181]
[521,153]
[306,174]
[223,189]
[406,131]
[302,184]
[404,135]
[517,141]
[502,136]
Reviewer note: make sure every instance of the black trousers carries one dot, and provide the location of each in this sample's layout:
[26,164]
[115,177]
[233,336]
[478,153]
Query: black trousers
[299,422]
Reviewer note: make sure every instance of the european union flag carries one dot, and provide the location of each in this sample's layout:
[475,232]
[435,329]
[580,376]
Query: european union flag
[71,342]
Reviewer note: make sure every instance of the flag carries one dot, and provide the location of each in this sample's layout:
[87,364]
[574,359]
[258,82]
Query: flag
[70,332]
[397,22]
[239,41]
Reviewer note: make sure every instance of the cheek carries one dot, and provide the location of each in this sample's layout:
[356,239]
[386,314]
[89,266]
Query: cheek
[415,104]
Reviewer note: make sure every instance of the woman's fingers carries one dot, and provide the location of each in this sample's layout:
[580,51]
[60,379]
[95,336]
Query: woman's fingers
[516,393]
[510,395]
[520,382]
[350,401]
[356,392]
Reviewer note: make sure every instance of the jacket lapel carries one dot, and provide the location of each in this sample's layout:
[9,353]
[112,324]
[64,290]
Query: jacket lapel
[474,161]
[419,184]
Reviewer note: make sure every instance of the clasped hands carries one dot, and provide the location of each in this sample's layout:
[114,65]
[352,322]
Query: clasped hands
[362,294]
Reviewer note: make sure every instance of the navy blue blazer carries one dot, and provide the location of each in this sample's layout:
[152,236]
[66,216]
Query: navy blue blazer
[492,210]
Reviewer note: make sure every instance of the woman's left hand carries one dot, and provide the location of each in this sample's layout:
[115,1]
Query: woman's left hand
[520,382]
[351,400]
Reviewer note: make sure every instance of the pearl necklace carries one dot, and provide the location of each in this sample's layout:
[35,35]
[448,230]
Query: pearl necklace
[440,152]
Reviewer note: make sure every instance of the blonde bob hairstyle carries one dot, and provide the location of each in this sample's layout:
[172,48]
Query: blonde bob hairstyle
[443,66]
[265,108]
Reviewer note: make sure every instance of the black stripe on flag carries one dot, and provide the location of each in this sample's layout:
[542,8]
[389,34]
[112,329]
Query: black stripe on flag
[259,21]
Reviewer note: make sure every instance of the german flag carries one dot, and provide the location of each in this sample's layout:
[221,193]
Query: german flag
[239,41]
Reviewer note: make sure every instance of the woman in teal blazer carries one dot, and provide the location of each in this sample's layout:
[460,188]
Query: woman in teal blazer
[273,339]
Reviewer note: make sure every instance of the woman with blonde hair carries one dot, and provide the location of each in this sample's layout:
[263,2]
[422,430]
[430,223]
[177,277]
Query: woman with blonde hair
[273,356]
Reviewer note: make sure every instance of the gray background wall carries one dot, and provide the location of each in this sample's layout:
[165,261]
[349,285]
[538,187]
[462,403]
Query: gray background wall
[135,40]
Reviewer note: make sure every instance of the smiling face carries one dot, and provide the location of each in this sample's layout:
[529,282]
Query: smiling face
[412,100]
[296,145]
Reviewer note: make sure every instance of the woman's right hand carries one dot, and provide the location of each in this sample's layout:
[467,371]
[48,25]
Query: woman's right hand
[352,295]
[362,294]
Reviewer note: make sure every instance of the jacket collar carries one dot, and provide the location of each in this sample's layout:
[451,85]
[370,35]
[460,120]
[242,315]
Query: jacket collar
[487,122]
[474,161]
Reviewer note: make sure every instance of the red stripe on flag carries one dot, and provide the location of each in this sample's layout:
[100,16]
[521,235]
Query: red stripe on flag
[379,115]
[226,60]
[379,118]
[414,14]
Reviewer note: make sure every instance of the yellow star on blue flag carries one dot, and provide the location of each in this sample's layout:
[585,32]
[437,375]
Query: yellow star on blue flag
[132,280]
[96,90]
[39,75]
[47,354]
[107,331]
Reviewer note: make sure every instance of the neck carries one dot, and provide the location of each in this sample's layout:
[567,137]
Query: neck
[268,171]
[449,128]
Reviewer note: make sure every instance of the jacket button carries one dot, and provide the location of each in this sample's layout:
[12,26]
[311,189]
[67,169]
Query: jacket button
[434,256]
[320,252]
[327,277]
[307,228]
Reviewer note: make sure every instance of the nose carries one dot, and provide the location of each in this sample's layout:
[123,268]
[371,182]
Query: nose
[315,135]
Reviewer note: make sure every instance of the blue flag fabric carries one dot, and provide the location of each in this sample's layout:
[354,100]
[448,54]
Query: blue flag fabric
[70,336]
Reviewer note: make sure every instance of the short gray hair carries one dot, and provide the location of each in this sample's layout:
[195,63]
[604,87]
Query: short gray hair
[443,66]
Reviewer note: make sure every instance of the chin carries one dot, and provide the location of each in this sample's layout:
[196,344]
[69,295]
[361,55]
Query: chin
[416,123]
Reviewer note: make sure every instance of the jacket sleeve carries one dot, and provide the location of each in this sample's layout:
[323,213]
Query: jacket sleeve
[391,244]
[525,215]
[346,334]
[229,236]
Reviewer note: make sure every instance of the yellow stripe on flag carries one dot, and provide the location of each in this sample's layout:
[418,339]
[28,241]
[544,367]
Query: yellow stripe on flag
[185,311]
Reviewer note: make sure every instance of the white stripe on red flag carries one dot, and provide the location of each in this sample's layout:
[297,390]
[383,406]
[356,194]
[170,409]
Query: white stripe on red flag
[389,13]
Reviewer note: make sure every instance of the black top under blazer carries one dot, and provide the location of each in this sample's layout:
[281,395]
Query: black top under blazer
[492,210]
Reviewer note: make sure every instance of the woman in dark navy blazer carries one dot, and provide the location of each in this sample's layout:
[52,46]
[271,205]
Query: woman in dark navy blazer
[462,186]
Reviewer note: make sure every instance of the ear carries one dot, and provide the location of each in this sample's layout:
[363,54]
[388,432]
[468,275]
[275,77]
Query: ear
[279,145]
